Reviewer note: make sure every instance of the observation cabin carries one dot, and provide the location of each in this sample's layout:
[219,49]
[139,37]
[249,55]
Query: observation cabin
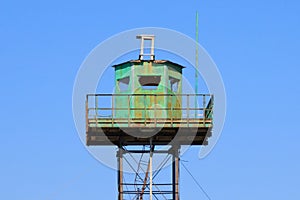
[148,103]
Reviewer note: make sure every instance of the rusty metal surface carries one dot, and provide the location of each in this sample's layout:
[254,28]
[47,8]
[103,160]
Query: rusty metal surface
[164,136]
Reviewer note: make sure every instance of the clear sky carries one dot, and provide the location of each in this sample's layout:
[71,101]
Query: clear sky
[254,43]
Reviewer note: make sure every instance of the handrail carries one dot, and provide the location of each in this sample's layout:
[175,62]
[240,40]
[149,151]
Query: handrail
[108,110]
[142,94]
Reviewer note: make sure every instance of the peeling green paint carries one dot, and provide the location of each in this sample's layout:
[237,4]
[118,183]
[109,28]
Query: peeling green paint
[156,76]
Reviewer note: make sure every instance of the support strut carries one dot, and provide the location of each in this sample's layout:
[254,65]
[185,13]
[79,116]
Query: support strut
[120,173]
[175,172]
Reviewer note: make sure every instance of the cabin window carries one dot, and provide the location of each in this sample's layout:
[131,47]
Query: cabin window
[173,82]
[123,84]
[149,82]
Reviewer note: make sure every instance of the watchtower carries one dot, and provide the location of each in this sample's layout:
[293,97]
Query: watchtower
[148,108]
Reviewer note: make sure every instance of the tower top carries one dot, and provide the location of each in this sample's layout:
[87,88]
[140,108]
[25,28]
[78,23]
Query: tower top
[142,50]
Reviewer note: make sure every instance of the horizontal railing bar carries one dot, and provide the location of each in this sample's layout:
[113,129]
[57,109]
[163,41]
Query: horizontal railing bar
[166,184]
[93,95]
[147,192]
[164,119]
[99,108]
[191,121]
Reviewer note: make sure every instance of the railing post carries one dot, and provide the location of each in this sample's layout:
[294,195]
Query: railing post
[212,105]
[196,106]
[113,110]
[86,114]
[96,109]
[171,109]
[155,99]
[204,110]
[128,99]
[145,110]
[188,109]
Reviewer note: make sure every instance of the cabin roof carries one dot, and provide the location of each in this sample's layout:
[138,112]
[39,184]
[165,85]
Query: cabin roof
[154,61]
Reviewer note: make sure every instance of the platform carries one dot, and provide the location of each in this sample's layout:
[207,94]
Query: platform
[109,129]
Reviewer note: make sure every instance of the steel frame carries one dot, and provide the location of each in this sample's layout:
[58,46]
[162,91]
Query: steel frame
[147,185]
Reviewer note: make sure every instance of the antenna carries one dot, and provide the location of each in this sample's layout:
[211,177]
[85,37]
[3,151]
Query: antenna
[196,62]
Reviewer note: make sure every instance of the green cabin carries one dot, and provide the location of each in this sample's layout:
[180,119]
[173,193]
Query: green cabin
[155,85]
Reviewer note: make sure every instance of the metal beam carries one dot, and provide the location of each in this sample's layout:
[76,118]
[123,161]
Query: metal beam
[151,173]
[120,173]
[175,172]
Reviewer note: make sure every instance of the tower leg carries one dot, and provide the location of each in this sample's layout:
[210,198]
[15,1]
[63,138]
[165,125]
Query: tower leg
[120,173]
[175,173]
[150,162]
[151,173]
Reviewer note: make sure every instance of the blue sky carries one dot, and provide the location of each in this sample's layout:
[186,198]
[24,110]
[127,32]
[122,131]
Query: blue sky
[255,44]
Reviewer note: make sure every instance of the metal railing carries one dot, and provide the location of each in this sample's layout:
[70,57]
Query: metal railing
[128,110]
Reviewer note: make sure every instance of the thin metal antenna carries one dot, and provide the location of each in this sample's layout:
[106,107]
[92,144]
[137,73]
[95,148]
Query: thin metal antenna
[196,62]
